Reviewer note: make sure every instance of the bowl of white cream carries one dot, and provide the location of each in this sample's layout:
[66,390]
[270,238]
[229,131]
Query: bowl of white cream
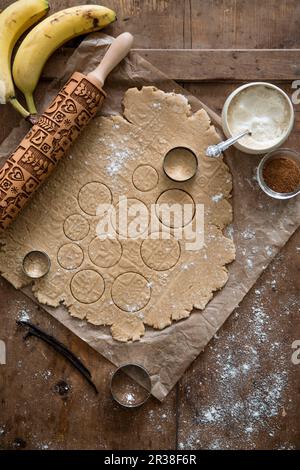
[263,109]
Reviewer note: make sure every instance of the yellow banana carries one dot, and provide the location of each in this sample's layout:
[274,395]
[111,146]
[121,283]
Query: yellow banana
[50,34]
[14,21]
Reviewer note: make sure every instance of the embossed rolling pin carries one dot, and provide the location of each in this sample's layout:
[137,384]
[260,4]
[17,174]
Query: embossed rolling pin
[56,129]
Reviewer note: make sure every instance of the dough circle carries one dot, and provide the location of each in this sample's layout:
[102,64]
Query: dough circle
[70,256]
[76,227]
[91,195]
[160,254]
[87,286]
[131,292]
[177,197]
[132,220]
[145,178]
[105,253]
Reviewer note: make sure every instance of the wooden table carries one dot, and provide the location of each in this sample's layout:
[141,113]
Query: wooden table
[244,390]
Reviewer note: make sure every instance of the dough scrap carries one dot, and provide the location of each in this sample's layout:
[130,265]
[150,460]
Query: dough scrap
[134,284]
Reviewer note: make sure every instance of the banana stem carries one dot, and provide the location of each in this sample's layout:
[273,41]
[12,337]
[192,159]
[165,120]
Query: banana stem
[18,107]
[30,103]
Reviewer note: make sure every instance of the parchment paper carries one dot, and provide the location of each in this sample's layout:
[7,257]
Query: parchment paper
[261,227]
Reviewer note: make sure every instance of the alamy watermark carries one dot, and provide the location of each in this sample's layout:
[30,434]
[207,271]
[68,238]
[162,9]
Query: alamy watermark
[296,353]
[296,94]
[132,219]
[2,352]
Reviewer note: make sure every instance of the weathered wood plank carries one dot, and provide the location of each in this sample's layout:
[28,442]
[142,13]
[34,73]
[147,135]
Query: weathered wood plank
[232,65]
[187,25]
[214,23]
[245,24]
[190,65]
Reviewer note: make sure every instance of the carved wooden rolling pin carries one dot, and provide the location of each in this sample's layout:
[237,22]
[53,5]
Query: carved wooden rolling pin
[56,129]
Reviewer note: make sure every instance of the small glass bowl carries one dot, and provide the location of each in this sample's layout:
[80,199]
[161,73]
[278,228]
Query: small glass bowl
[275,154]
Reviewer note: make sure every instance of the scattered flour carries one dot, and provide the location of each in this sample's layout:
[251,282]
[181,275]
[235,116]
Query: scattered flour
[24,315]
[117,160]
[269,250]
[46,374]
[239,410]
[273,284]
[229,231]
[248,234]
[186,266]
[130,398]
[217,197]
[44,446]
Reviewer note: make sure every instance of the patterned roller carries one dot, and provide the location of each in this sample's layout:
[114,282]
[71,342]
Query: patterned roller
[46,143]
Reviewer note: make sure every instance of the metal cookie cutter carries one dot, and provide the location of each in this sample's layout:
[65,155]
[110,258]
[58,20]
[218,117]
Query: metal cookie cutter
[36,264]
[130,385]
[180,164]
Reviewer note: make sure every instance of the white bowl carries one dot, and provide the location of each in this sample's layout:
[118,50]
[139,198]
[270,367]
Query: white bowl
[257,150]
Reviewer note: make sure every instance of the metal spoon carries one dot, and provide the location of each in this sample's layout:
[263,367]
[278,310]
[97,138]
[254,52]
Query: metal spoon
[215,151]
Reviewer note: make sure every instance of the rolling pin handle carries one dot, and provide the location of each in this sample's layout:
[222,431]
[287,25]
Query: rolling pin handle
[118,50]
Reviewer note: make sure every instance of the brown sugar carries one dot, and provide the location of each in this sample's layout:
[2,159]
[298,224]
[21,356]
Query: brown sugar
[282,175]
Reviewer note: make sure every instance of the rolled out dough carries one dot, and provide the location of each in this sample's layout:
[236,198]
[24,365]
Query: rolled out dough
[127,283]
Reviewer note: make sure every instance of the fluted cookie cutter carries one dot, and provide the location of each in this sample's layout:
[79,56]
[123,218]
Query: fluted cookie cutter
[130,385]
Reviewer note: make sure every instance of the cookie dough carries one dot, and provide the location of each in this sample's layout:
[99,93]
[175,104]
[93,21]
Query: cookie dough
[128,284]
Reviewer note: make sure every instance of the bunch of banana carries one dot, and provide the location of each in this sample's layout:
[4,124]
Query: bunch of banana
[14,21]
[47,36]
[40,43]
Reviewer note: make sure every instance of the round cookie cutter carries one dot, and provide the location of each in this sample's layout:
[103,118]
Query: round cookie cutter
[36,264]
[130,385]
[180,164]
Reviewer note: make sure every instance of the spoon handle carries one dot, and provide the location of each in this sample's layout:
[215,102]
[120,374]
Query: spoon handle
[215,151]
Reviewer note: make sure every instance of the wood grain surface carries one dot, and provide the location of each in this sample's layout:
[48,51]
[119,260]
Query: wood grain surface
[198,65]
[244,390]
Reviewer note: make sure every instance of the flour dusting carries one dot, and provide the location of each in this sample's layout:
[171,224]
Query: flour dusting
[246,402]
[117,160]
[24,315]
[217,197]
